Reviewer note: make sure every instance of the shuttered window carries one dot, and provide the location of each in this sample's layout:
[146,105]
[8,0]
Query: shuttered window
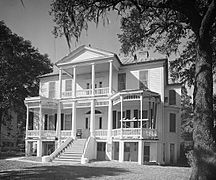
[172,97]
[121,81]
[172,122]
[143,79]
[68,85]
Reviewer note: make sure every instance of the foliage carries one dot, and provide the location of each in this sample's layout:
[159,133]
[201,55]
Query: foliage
[20,64]
[186,116]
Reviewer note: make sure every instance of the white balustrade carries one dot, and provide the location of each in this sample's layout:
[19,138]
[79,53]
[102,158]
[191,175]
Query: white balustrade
[84,92]
[65,133]
[66,94]
[102,91]
[149,133]
[132,132]
[33,133]
[116,132]
[101,133]
[48,133]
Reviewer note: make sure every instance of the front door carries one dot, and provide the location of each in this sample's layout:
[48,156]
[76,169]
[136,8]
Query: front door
[87,127]
[101,151]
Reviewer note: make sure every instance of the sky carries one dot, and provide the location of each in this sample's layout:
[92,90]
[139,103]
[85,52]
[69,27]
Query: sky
[34,23]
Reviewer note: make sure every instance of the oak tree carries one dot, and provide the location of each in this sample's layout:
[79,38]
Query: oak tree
[177,19]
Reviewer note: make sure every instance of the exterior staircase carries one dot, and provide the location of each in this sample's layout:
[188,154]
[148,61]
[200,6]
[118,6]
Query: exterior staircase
[73,153]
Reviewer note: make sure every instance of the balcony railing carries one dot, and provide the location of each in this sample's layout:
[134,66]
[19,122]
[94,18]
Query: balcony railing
[102,134]
[86,92]
[126,133]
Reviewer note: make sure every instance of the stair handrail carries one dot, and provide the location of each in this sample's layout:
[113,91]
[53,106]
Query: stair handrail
[61,148]
[85,146]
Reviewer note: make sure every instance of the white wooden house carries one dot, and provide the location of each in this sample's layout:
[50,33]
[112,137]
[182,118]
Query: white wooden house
[104,109]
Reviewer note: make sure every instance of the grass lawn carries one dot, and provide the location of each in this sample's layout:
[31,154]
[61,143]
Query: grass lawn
[95,170]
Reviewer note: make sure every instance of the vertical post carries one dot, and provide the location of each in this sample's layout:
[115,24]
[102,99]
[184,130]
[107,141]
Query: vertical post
[60,83]
[74,81]
[121,100]
[74,119]
[149,115]
[27,124]
[140,152]
[39,142]
[121,151]
[109,134]
[93,79]
[92,119]
[110,77]
[58,128]
[27,119]
[141,117]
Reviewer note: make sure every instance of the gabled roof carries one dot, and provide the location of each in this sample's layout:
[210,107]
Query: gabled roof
[85,54]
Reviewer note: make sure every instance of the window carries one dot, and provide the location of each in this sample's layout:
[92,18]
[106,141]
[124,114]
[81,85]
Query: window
[172,122]
[136,123]
[172,97]
[143,79]
[51,89]
[114,120]
[86,123]
[68,85]
[128,116]
[100,122]
[121,81]
[146,153]
[45,121]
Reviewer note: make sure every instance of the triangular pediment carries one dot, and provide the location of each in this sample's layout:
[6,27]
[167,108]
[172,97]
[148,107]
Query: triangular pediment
[84,54]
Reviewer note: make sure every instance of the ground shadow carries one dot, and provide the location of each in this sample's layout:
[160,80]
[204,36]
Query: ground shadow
[61,172]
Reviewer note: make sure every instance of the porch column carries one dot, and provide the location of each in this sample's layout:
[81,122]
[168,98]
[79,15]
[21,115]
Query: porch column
[74,82]
[93,79]
[27,119]
[149,115]
[60,83]
[58,128]
[92,118]
[73,119]
[140,152]
[141,118]
[39,142]
[121,151]
[110,76]
[121,100]
[109,132]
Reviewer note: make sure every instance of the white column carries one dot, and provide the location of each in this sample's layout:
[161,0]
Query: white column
[141,118]
[92,119]
[58,128]
[109,134]
[140,152]
[74,82]
[73,119]
[39,142]
[27,119]
[149,115]
[39,148]
[110,76]
[60,83]
[93,79]
[121,151]
[121,100]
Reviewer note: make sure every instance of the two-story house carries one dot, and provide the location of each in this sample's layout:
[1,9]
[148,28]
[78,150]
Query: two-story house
[105,109]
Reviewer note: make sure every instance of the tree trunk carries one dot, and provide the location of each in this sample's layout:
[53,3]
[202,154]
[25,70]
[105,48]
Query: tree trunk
[204,152]
[1,114]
